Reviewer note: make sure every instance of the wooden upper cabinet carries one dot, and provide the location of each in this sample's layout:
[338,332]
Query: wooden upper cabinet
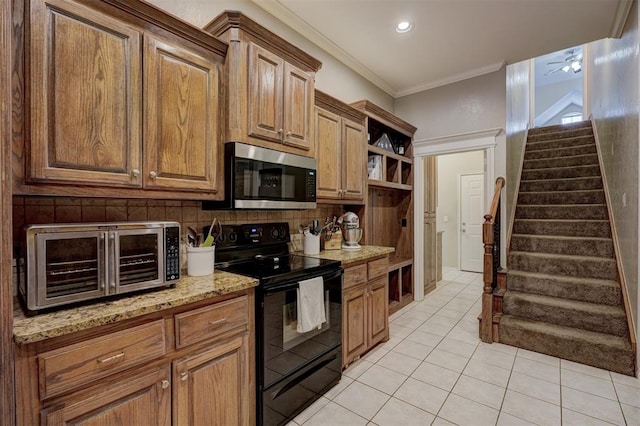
[180,125]
[340,146]
[270,86]
[122,100]
[85,101]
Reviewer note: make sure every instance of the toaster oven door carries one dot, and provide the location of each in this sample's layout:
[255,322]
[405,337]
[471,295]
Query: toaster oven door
[68,267]
[136,259]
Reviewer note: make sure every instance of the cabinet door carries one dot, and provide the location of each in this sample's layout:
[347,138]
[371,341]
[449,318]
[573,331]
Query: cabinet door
[378,310]
[354,323]
[212,387]
[328,152]
[353,153]
[85,97]
[181,118]
[298,108]
[136,400]
[265,102]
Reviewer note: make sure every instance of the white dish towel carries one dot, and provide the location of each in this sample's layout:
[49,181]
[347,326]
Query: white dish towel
[311,311]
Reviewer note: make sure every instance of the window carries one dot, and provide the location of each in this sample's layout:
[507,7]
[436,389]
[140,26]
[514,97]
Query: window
[572,117]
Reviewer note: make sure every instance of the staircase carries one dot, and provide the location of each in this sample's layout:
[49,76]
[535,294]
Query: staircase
[563,293]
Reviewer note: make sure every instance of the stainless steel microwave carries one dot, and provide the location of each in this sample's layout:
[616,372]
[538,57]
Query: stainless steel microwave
[262,178]
[70,263]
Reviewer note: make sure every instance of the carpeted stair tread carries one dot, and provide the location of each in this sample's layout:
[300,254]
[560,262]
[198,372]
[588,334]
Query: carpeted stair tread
[566,184]
[589,196]
[561,134]
[567,227]
[579,246]
[564,264]
[561,172]
[585,289]
[587,347]
[566,312]
[560,143]
[552,163]
[560,152]
[585,124]
[559,211]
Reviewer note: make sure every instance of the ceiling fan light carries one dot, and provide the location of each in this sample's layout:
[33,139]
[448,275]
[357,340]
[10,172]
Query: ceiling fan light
[576,66]
[404,27]
[566,68]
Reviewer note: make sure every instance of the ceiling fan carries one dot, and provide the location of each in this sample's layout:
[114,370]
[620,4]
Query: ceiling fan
[572,62]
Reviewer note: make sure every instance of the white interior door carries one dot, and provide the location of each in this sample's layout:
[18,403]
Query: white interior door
[471,218]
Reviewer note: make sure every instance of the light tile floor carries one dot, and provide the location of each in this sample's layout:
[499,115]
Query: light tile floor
[435,371]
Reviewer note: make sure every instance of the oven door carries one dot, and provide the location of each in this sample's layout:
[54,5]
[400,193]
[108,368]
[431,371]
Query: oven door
[136,259]
[294,369]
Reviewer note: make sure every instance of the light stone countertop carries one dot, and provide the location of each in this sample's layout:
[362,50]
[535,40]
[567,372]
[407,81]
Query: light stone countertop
[352,256]
[187,290]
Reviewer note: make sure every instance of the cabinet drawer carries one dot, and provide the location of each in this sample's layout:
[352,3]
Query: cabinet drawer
[354,275]
[210,321]
[69,367]
[378,267]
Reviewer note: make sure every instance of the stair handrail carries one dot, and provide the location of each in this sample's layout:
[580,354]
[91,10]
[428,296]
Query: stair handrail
[491,241]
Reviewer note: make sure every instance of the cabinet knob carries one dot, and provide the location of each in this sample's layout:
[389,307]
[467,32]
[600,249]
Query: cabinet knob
[289,133]
[165,384]
[153,174]
[135,172]
[184,376]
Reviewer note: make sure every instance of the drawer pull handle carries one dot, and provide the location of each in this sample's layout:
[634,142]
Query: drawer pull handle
[111,358]
[217,324]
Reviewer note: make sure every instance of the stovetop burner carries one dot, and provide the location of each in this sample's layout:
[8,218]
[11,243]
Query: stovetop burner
[261,251]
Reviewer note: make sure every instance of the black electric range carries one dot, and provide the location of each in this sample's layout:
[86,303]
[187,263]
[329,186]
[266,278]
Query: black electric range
[292,369]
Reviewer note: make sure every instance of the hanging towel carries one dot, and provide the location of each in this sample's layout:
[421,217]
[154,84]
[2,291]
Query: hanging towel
[311,312]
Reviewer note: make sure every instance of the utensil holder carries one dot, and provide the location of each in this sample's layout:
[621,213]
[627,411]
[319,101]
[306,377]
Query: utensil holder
[311,244]
[200,260]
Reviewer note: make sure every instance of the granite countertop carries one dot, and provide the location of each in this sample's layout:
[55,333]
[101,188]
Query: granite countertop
[352,256]
[187,290]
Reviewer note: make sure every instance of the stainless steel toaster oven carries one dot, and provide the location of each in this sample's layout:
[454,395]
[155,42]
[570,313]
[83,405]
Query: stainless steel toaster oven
[69,263]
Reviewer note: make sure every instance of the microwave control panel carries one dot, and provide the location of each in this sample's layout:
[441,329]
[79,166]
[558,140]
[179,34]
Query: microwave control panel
[172,252]
[311,185]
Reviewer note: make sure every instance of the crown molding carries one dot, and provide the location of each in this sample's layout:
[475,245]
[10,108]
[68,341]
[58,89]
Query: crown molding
[620,18]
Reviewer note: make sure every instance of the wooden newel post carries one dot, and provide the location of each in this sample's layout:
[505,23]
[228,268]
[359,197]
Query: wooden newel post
[486,328]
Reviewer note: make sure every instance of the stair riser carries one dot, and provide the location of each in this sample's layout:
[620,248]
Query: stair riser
[562,212]
[550,163]
[560,152]
[605,294]
[586,268]
[561,185]
[560,128]
[559,135]
[560,143]
[597,229]
[570,172]
[567,317]
[575,197]
[599,356]
[599,248]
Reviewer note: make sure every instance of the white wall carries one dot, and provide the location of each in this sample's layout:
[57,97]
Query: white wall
[615,105]
[549,94]
[333,78]
[450,167]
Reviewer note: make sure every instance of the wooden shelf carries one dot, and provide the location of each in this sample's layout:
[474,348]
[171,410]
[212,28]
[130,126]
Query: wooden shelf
[389,185]
[389,154]
[398,262]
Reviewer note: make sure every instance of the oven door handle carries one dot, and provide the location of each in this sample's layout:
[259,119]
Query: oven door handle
[290,285]
[303,376]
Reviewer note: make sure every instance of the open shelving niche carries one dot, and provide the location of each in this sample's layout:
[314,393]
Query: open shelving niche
[389,210]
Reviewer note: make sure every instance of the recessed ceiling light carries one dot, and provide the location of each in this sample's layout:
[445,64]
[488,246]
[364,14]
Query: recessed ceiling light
[404,26]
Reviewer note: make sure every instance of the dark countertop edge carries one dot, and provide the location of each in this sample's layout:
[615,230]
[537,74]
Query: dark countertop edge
[44,326]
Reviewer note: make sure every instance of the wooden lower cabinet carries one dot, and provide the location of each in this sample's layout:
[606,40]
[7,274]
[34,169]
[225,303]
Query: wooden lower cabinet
[140,400]
[106,379]
[365,308]
[211,387]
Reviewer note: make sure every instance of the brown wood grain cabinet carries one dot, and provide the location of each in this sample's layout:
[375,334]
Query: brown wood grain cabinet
[190,365]
[365,308]
[120,99]
[270,86]
[340,150]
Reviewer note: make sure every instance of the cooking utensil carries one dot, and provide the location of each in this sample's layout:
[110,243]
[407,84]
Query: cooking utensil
[208,242]
[192,235]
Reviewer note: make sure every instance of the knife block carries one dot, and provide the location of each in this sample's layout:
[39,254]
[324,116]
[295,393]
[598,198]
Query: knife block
[335,243]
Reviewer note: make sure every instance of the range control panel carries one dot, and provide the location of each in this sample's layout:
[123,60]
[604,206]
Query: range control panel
[251,235]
